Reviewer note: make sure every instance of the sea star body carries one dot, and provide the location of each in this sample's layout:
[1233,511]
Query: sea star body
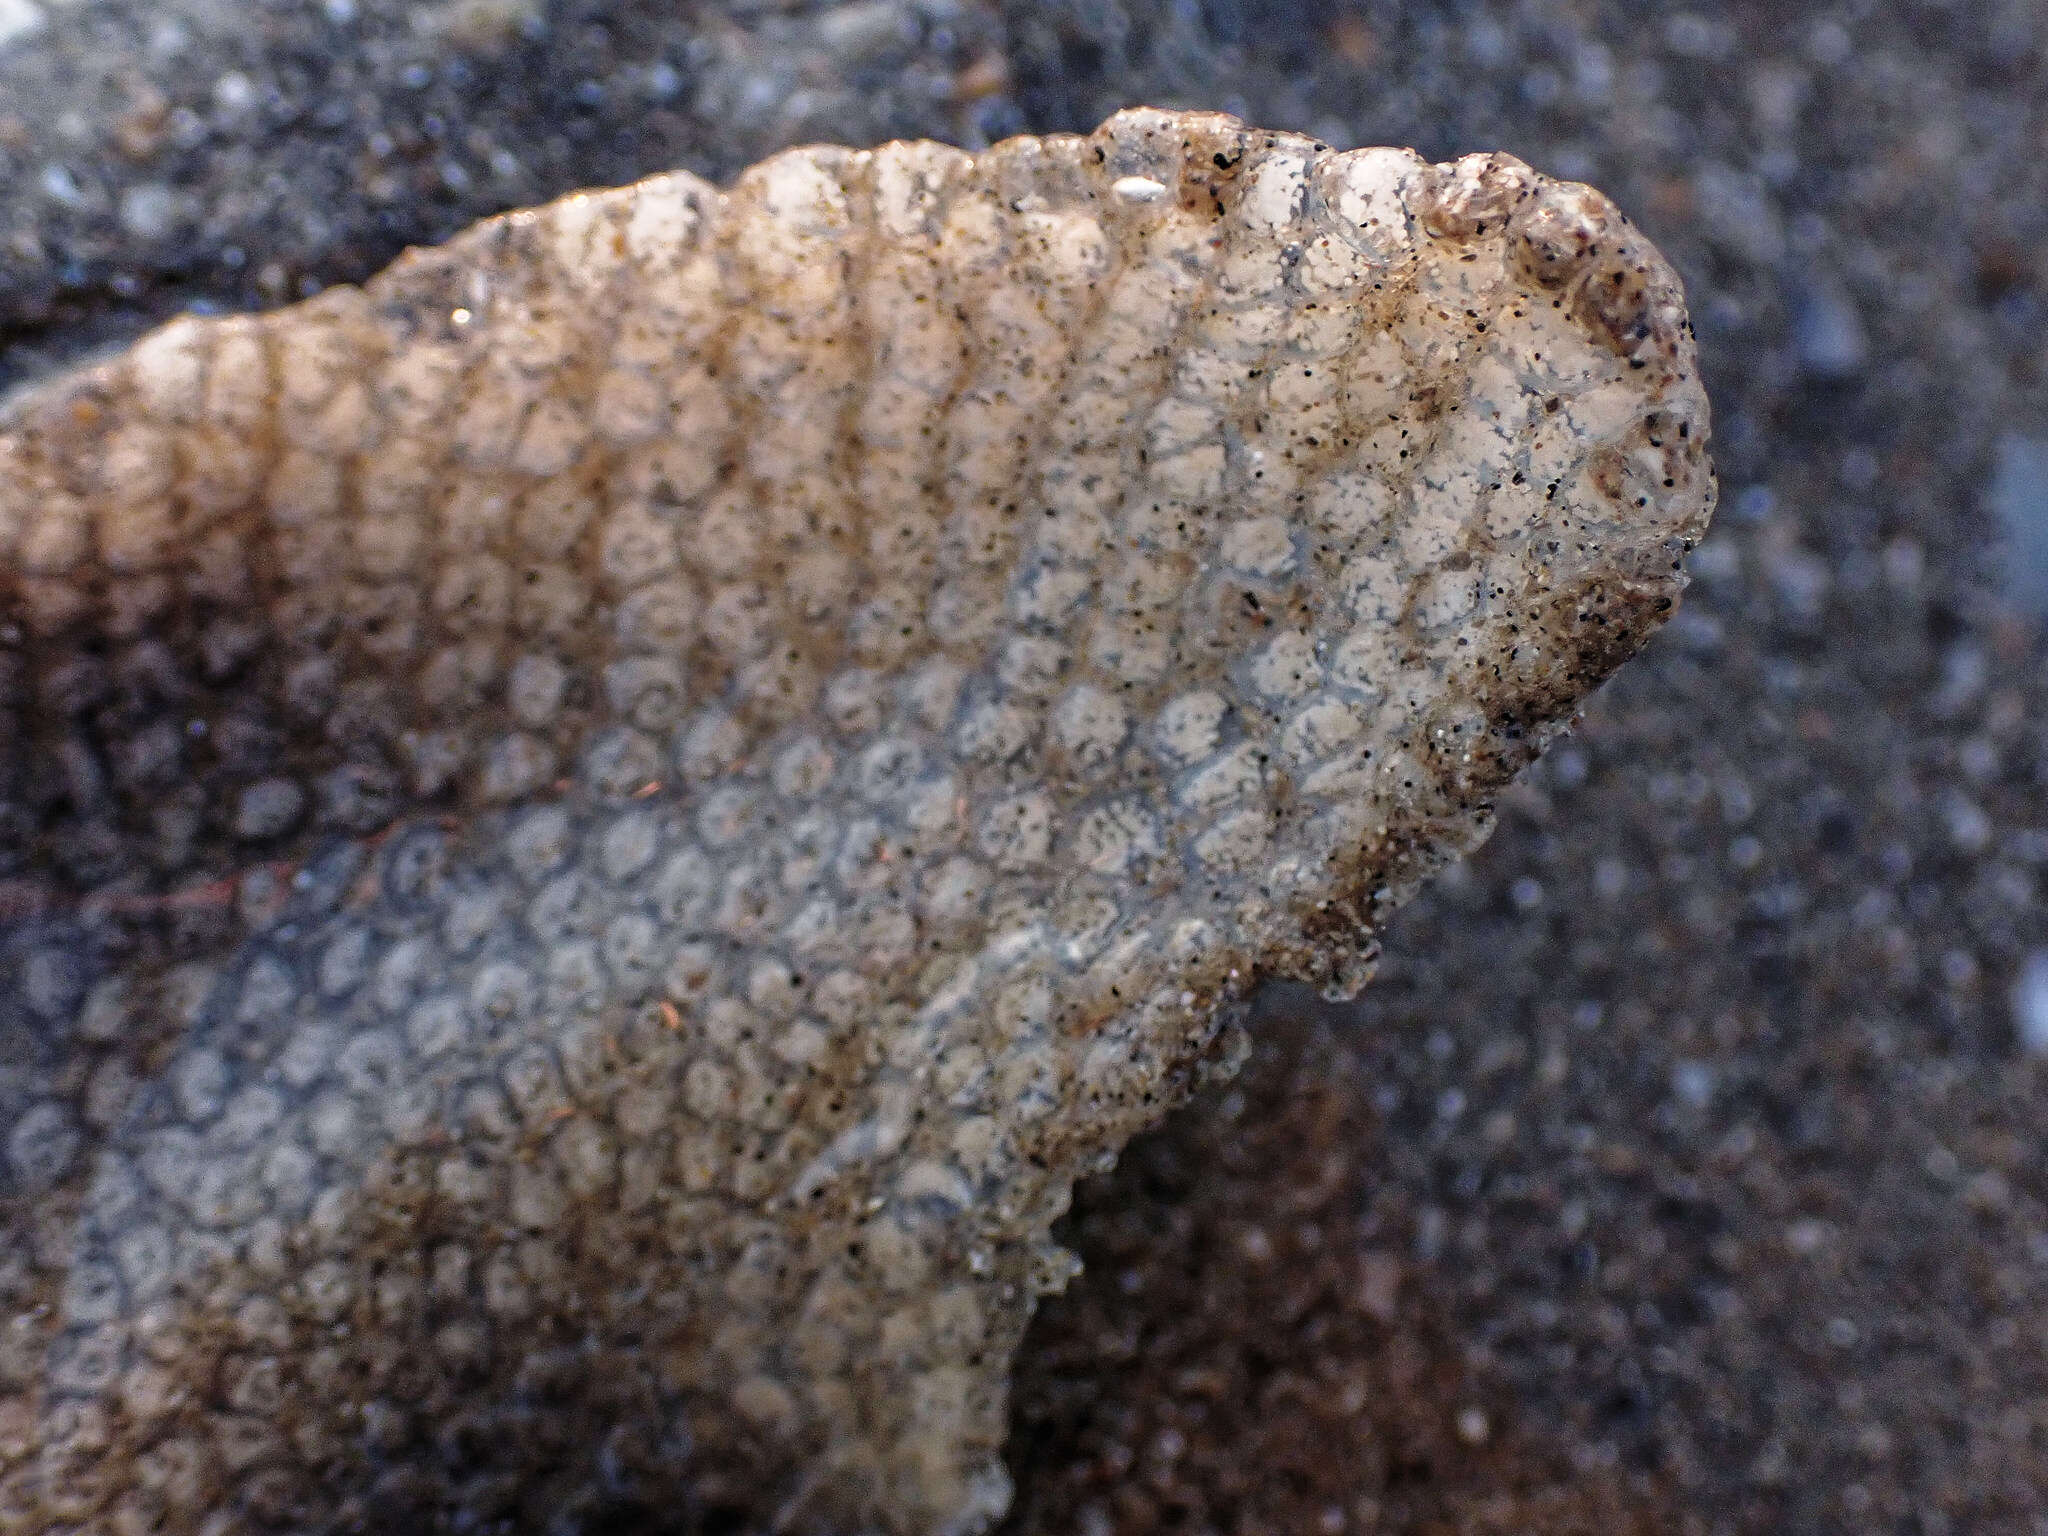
[595,832]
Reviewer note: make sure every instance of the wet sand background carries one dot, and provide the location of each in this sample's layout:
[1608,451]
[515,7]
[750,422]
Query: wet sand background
[1684,1169]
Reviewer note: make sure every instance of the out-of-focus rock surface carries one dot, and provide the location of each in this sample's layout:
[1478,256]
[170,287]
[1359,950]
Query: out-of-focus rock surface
[1694,1138]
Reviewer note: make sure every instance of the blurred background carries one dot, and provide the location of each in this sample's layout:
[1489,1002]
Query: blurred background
[1684,1169]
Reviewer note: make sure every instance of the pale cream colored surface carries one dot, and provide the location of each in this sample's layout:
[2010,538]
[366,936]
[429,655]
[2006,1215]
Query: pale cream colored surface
[597,831]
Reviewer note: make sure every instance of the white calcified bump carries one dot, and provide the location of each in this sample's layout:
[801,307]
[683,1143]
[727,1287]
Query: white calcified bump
[606,824]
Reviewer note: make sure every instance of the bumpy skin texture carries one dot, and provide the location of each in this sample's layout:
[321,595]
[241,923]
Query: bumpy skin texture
[596,832]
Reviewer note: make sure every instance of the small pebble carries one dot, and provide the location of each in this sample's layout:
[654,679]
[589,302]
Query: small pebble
[1828,335]
[2018,499]
[149,211]
[2030,1003]
[18,18]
